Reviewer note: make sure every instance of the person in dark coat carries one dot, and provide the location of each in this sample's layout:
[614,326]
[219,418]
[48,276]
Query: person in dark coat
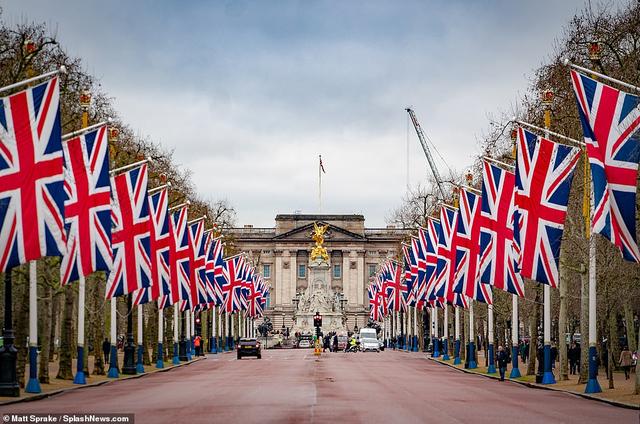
[106,350]
[502,360]
[573,358]
[335,342]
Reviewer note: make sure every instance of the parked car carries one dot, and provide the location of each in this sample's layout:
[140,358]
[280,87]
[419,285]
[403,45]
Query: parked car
[369,340]
[343,340]
[249,347]
[304,343]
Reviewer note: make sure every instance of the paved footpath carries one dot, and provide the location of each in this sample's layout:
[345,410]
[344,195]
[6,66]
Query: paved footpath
[293,386]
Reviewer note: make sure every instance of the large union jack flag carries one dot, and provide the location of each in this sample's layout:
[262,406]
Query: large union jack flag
[410,274]
[197,268]
[179,254]
[130,233]
[211,245]
[253,295]
[432,234]
[394,286]
[610,120]
[467,244]
[31,176]
[233,285]
[87,207]
[375,307]
[544,171]
[498,260]
[445,267]
[160,243]
[216,260]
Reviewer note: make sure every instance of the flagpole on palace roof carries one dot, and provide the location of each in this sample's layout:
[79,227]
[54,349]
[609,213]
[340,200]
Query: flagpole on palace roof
[320,184]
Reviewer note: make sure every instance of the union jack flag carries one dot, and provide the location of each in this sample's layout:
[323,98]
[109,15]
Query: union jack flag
[211,246]
[179,259]
[375,308]
[432,234]
[498,260]
[130,233]
[233,284]
[544,171]
[31,176]
[410,274]
[197,266]
[420,281]
[395,287]
[217,257]
[160,244]
[87,207]
[467,249]
[610,120]
[253,295]
[445,268]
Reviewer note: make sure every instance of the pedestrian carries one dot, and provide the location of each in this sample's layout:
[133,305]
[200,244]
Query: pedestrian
[335,342]
[196,344]
[503,360]
[625,361]
[573,358]
[106,350]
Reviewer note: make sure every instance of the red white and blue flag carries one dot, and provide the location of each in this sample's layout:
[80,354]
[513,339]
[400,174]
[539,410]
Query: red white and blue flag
[197,266]
[31,176]
[410,274]
[130,233]
[217,257]
[432,233]
[544,171]
[179,258]
[610,120]
[468,248]
[232,296]
[252,296]
[445,268]
[212,247]
[375,307]
[420,280]
[87,207]
[395,287]
[160,243]
[498,261]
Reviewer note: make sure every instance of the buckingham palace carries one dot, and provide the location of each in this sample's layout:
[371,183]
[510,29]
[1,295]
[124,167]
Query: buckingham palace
[336,286]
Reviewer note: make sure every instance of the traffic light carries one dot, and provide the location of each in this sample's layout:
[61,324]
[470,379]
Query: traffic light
[317,320]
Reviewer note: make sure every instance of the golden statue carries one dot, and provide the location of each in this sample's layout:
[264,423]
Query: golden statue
[318,237]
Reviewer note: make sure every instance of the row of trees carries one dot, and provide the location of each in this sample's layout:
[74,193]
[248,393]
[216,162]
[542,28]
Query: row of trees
[608,41]
[30,49]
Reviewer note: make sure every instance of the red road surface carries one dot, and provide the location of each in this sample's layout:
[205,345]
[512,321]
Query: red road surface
[291,386]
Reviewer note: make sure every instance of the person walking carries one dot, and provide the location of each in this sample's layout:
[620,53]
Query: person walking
[573,359]
[625,361]
[106,350]
[196,344]
[335,342]
[503,360]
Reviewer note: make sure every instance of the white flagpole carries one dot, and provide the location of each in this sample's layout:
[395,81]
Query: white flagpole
[214,340]
[456,357]
[436,333]
[33,386]
[113,356]
[472,335]
[160,351]
[80,378]
[492,366]
[62,70]
[445,338]
[515,372]
[176,319]
[320,184]
[139,363]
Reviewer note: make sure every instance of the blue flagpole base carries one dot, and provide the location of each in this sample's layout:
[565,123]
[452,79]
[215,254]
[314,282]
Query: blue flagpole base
[33,386]
[176,358]
[160,356]
[139,363]
[80,378]
[491,369]
[445,357]
[548,378]
[472,365]
[159,364]
[113,363]
[457,361]
[415,343]
[515,373]
[593,386]
[213,344]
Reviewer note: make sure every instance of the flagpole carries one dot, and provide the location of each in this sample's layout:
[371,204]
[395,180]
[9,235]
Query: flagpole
[547,377]
[176,319]
[160,351]
[599,75]
[445,330]
[492,365]
[139,363]
[436,340]
[415,328]
[33,386]
[62,70]
[213,344]
[113,356]
[320,184]
[515,371]
[456,349]
[471,354]
[85,129]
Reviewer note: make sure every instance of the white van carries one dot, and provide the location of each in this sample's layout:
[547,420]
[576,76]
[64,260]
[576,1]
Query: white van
[369,340]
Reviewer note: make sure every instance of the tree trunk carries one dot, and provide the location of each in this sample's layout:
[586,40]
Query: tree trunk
[584,328]
[66,335]
[562,324]
[533,331]
[55,314]
[45,333]
[97,324]
[629,325]
[21,323]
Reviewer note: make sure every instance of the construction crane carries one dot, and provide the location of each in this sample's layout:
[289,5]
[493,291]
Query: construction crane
[427,152]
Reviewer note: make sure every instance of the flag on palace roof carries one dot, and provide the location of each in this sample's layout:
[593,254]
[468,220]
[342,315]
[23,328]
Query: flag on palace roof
[467,249]
[87,206]
[610,120]
[31,176]
[498,261]
[544,171]
[130,233]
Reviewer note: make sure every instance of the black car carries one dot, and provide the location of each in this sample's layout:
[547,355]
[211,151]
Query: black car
[249,347]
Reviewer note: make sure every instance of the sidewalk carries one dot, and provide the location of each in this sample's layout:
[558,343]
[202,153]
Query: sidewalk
[622,394]
[58,386]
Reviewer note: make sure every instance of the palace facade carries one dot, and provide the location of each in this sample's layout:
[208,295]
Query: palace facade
[282,253]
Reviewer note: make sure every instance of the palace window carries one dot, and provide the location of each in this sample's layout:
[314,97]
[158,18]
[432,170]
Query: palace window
[266,270]
[302,271]
[337,271]
[372,270]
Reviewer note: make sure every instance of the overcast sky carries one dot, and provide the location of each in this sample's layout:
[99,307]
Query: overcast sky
[250,93]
